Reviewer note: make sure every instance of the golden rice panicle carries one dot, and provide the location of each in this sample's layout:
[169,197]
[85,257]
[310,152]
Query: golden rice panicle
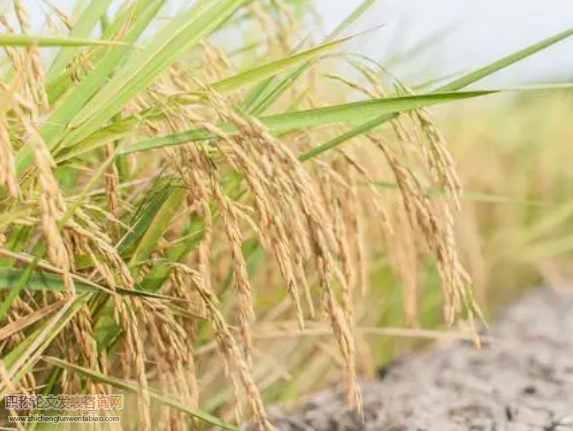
[52,202]
[35,77]
[434,219]
[185,374]
[278,184]
[319,230]
[132,355]
[109,264]
[343,335]
[331,253]
[8,177]
[170,353]
[327,184]
[85,346]
[442,166]
[437,233]
[217,65]
[238,366]
[271,229]
[358,219]
[235,239]
[111,190]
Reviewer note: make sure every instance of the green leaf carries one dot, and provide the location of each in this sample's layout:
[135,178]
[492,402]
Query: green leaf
[455,85]
[16,279]
[255,94]
[349,112]
[144,216]
[142,67]
[119,129]
[357,111]
[158,226]
[351,19]
[490,69]
[82,28]
[270,69]
[265,99]
[352,133]
[17,287]
[474,196]
[131,387]
[96,79]
[27,40]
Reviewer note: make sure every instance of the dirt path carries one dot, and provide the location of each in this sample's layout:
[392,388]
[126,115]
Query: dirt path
[523,381]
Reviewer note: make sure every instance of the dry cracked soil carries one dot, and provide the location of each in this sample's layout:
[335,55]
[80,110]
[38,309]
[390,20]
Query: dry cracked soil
[521,381]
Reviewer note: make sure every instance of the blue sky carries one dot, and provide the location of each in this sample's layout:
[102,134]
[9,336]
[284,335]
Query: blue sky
[474,32]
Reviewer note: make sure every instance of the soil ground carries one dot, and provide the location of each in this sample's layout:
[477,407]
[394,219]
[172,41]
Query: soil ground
[521,381]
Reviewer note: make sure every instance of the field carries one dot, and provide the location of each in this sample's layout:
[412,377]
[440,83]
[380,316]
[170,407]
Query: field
[212,208]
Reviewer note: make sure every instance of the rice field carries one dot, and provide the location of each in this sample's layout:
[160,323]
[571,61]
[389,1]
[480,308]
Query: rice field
[222,207]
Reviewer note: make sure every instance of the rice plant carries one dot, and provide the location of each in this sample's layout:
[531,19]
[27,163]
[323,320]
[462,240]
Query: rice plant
[193,222]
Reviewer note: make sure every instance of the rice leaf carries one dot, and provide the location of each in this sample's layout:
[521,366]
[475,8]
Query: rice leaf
[158,226]
[455,85]
[507,61]
[349,112]
[264,100]
[86,89]
[266,70]
[17,280]
[82,28]
[474,196]
[27,40]
[142,67]
[131,387]
[16,288]
[144,217]
[351,19]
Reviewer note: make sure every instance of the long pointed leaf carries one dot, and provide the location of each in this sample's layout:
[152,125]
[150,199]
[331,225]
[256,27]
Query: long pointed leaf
[261,72]
[274,92]
[490,69]
[131,387]
[13,279]
[455,85]
[349,112]
[351,19]
[81,94]
[185,32]
[156,229]
[82,28]
[16,288]
[27,40]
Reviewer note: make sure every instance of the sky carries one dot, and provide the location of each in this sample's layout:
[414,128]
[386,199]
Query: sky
[467,34]
[460,35]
